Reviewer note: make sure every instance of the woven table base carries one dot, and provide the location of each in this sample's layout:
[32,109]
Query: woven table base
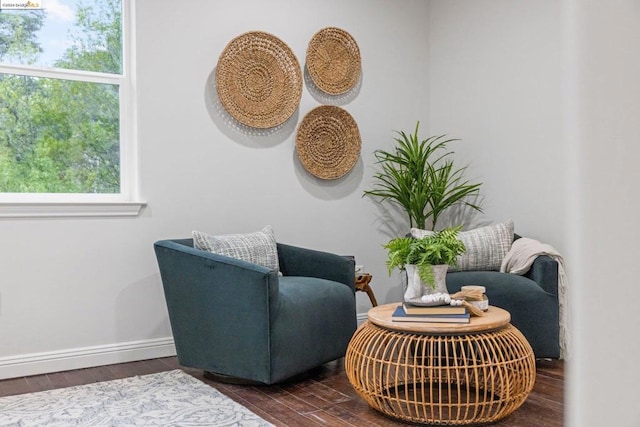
[444,379]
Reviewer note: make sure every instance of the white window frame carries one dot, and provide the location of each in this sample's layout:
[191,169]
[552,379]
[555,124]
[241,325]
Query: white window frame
[127,203]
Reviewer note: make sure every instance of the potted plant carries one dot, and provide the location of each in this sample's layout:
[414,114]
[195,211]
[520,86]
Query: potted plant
[420,179]
[426,260]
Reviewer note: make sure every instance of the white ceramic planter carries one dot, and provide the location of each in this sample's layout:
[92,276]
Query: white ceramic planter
[416,288]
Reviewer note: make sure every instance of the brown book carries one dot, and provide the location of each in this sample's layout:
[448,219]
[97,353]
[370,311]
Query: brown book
[438,309]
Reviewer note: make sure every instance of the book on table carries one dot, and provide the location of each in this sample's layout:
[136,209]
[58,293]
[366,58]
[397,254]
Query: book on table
[399,315]
[438,309]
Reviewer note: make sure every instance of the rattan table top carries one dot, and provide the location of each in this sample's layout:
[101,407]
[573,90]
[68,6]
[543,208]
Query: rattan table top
[494,318]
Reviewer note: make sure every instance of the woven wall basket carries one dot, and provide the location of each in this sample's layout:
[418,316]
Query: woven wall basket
[328,142]
[333,61]
[259,80]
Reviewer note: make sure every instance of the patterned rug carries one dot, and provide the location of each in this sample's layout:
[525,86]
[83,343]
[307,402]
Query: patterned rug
[171,398]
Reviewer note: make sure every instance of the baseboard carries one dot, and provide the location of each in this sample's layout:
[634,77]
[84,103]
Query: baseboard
[78,358]
[361,317]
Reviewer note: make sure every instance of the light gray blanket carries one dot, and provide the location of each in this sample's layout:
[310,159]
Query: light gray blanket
[518,261]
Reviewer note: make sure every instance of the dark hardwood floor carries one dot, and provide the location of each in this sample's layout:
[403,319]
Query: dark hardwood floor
[325,399]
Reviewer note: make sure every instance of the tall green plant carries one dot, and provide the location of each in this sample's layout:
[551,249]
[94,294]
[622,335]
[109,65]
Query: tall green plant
[418,177]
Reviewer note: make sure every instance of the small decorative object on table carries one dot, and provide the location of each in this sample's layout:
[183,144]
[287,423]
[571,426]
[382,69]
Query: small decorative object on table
[474,295]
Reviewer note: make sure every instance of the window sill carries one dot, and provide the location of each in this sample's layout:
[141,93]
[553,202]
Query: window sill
[52,209]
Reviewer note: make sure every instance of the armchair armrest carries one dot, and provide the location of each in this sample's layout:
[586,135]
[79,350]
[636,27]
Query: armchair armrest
[296,261]
[223,281]
[544,271]
[214,299]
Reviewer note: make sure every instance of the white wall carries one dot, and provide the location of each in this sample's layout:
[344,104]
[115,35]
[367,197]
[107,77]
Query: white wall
[546,97]
[605,135]
[77,292]
[496,83]
[200,174]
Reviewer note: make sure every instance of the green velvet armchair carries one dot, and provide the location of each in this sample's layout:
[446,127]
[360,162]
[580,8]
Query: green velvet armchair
[531,299]
[245,322]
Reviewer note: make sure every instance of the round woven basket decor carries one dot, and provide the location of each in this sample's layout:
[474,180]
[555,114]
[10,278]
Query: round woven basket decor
[328,142]
[333,61]
[259,80]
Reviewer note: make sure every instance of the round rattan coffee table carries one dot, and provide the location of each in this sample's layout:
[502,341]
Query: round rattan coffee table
[441,373]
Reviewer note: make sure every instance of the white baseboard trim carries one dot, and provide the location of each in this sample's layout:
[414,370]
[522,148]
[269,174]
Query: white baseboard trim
[78,358]
[361,317]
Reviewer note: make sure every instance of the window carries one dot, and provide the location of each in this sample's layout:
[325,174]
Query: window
[66,127]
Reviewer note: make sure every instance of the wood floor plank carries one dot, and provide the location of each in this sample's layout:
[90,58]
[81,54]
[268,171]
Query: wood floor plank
[319,395]
[102,373]
[40,382]
[80,376]
[295,402]
[325,399]
[15,386]
[58,380]
[325,418]
[156,365]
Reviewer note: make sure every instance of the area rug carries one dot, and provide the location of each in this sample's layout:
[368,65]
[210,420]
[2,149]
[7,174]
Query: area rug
[171,398]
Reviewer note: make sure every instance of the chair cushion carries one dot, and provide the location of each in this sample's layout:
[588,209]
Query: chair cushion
[314,323]
[258,247]
[533,311]
[486,246]
[496,284]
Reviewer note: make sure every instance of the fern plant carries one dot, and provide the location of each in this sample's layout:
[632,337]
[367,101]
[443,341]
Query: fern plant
[441,247]
[421,180]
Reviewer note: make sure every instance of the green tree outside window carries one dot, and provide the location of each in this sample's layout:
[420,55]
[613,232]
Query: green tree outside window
[61,135]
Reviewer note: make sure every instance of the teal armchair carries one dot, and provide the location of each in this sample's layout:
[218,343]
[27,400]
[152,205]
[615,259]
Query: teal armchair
[245,322]
[531,299]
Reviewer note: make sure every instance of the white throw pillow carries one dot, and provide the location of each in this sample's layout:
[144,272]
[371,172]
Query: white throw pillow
[258,247]
[486,246]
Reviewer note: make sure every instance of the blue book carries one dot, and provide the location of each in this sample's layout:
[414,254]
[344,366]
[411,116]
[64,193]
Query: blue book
[399,315]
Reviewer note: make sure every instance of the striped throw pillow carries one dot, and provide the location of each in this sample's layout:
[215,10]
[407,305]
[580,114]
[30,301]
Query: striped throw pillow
[258,247]
[486,246]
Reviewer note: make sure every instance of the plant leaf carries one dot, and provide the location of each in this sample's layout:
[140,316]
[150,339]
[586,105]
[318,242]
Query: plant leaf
[417,177]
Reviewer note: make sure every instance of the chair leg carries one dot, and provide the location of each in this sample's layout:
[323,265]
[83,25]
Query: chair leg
[228,379]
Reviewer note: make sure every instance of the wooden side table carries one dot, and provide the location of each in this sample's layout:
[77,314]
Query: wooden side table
[362,284]
[441,373]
